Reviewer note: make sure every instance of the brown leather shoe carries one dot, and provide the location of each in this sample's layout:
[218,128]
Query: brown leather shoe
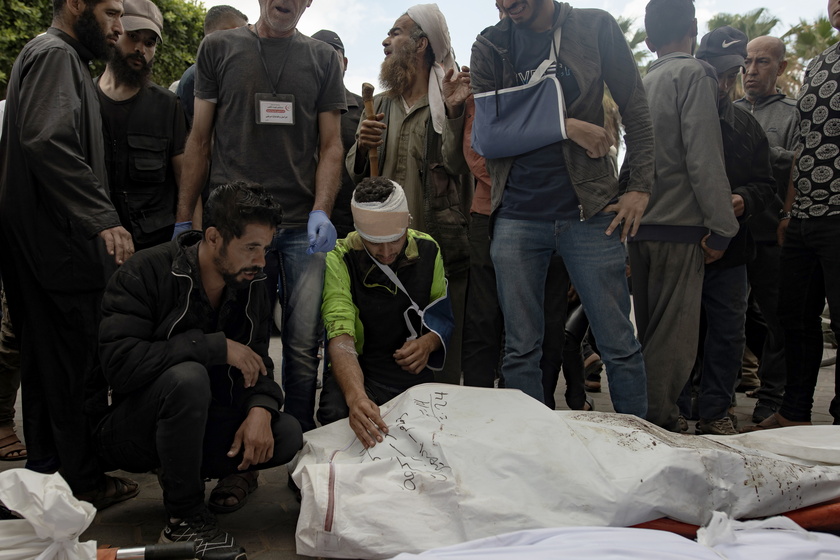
[772,422]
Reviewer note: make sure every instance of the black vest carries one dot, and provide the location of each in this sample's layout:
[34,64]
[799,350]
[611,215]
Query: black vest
[140,174]
[381,305]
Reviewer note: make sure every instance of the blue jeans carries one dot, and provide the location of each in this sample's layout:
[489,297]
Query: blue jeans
[301,283]
[725,305]
[521,251]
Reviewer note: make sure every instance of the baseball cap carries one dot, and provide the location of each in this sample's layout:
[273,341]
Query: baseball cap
[723,48]
[330,38]
[142,14]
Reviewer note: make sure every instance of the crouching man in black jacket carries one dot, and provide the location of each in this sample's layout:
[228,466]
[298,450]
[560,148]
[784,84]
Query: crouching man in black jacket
[184,347]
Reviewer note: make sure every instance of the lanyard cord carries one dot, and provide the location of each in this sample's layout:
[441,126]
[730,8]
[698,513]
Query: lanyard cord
[265,66]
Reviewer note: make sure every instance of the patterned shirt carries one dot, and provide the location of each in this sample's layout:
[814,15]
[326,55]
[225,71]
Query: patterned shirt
[817,174]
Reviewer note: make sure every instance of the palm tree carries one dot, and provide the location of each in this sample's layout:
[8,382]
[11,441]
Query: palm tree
[810,39]
[634,39]
[754,23]
[805,41]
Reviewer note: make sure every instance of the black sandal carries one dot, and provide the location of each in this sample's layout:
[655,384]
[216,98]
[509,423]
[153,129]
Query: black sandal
[238,486]
[113,490]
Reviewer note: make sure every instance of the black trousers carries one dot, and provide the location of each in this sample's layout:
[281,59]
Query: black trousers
[58,340]
[483,323]
[809,272]
[763,274]
[172,424]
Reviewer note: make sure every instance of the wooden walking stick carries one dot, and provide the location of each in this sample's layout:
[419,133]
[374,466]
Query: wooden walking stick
[373,155]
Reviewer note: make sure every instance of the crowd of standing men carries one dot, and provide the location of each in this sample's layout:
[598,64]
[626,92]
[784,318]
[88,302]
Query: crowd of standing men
[724,214]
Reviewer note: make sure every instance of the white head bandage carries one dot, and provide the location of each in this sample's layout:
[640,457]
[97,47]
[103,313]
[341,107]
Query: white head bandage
[382,222]
[431,21]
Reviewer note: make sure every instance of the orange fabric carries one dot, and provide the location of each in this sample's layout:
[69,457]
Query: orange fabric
[823,517]
[481,198]
[106,553]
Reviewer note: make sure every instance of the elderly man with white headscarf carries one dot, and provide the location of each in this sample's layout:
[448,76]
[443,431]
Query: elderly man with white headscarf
[418,130]
[386,311]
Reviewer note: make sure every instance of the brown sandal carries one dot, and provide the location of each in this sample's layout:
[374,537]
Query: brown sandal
[11,448]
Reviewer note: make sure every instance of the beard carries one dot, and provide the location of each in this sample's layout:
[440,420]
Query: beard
[124,73]
[89,33]
[232,281]
[230,277]
[399,70]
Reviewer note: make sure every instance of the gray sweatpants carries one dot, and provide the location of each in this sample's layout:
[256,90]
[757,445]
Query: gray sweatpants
[667,287]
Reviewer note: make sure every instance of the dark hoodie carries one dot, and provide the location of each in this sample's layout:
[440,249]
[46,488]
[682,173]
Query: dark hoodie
[746,154]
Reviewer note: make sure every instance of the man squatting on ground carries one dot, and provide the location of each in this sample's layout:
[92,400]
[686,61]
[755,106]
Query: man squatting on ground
[386,311]
[184,347]
[564,198]
[57,224]
[144,130]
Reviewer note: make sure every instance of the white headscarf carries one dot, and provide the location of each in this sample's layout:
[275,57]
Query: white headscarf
[431,21]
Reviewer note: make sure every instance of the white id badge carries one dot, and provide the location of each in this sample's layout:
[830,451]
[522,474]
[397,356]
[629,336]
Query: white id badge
[275,108]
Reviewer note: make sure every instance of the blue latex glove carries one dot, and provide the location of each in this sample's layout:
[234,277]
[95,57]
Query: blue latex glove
[181,227]
[322,234]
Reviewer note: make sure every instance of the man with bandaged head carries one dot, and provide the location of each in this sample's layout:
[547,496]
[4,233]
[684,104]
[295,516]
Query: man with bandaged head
[417,132]
[386,310]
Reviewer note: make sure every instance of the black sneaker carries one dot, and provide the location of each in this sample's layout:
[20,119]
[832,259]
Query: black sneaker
[211,543]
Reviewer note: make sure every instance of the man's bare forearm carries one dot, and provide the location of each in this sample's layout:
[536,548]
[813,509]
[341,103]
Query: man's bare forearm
[346,368]
[330,162]
[193,177]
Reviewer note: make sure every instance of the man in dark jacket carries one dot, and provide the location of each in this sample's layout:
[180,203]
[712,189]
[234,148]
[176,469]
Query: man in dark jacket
[57,224]
[184,347]
[746,155]
[779,117]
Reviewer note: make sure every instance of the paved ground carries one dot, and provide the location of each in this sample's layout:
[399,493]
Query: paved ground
[266,526]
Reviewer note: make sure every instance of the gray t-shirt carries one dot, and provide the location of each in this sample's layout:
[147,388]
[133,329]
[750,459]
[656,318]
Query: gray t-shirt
[282,158]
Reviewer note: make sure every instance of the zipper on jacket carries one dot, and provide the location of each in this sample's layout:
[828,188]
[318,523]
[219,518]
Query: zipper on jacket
[250,334]
[582,217]
[186,307]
